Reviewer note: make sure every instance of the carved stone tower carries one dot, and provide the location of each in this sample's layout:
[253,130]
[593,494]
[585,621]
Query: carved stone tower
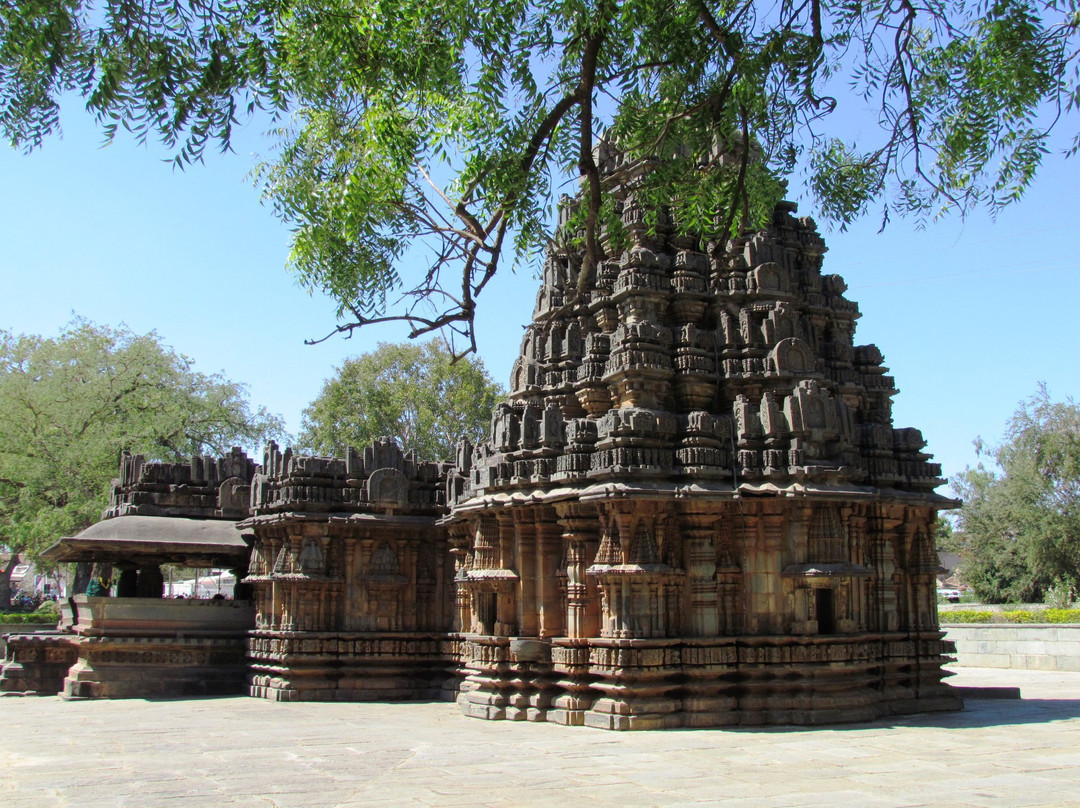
[693,509]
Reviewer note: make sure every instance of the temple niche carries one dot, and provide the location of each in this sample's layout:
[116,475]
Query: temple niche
[693,509]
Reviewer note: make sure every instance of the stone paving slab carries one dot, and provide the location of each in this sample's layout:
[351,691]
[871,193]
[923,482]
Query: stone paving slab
[246,753]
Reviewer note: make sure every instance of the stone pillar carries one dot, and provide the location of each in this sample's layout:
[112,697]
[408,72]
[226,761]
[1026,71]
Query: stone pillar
[127,585]
[549,556]
[581,536]
[856,523]
[506,538]
[729,577]
[898,603]
[767,595]
[241,590]
[443,587]
[150,583]
[412,606]
[460,541]
[530,572]
[921,565]
[883,561]
[354,608]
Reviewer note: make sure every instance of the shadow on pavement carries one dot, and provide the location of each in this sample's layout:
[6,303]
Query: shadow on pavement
[977,713]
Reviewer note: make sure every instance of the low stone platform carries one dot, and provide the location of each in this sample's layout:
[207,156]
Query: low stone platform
[36,663]
[250,752]
[21,628]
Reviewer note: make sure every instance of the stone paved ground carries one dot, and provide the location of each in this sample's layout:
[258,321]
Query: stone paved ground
[246,752]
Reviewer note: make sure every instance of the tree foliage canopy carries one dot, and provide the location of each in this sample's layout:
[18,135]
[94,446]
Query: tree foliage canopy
[1020,524]
[413,392]
[450,123]
[70,405]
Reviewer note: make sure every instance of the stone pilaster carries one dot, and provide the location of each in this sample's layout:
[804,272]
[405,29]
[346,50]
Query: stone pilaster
[699,531]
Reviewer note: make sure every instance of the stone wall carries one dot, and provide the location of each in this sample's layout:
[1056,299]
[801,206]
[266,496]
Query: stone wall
[351,574]
[1028,647]
[202,488]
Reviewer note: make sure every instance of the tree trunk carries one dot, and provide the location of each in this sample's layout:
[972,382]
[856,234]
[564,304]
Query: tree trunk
[5,581]
[84,570]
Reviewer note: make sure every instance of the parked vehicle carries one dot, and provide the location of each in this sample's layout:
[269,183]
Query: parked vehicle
[951,595]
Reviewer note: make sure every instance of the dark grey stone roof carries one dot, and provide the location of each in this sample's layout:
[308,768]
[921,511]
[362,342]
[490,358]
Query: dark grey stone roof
[163,539]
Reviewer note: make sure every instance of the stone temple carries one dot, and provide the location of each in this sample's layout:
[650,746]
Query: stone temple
[693,509]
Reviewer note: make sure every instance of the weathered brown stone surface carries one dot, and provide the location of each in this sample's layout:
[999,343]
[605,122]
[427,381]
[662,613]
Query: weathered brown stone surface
[351,577]
[205,487]
[150,647]
[134,648]
[695,502]
[692,510]
[138,644]
[36,662]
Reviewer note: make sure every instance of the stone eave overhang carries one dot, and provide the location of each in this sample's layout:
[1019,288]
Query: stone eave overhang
[331,517]
[707,492]
[154,540]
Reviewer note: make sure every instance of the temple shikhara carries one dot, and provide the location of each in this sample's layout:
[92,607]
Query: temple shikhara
[693,509]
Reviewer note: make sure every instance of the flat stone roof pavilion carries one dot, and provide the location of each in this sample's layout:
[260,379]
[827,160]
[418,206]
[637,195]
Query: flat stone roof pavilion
[155,539]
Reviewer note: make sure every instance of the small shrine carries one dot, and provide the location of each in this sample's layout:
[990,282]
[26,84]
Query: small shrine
[351,576]
[140,644]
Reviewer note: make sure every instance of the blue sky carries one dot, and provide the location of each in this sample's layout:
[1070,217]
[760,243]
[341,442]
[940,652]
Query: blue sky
[971,315]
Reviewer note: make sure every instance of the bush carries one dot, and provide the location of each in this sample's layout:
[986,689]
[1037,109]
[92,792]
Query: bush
[1059,596]
[19,618]
[47,612]
[1055,616]
[48,609]
[1063,615]
[965,617]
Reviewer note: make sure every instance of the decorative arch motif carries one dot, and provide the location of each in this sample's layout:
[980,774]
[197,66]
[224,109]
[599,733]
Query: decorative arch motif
[792,356]
[388,488]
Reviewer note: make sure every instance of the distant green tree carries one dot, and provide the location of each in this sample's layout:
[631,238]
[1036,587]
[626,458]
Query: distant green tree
[945,538]
[1020,523]
[413,392]
[70,405]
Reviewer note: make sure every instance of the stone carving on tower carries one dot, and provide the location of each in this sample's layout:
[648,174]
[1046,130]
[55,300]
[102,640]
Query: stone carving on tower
[693,491]
[692,509]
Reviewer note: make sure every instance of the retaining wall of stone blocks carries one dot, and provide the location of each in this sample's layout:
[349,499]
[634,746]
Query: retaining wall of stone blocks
[1030,647]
